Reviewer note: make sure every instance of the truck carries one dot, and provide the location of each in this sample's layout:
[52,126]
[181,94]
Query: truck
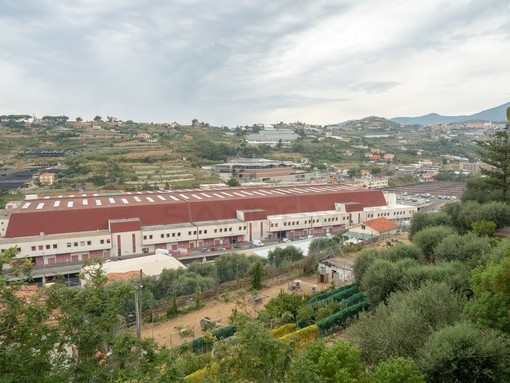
[257,242]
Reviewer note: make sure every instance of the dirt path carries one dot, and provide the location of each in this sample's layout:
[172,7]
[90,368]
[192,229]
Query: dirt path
[219,310]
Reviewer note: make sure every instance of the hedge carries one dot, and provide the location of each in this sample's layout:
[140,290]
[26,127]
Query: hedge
[326,294]
[200,375]
[340,320]
[302,338]
[283,330]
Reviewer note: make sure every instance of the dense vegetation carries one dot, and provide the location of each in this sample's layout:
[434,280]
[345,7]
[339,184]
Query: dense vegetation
[434,310]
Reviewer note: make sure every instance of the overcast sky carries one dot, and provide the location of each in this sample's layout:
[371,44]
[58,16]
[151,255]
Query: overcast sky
[239,62]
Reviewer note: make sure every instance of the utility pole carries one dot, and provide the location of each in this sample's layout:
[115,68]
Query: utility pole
[138,307]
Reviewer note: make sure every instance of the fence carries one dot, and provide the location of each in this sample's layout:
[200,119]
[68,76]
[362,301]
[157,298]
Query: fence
[159,310]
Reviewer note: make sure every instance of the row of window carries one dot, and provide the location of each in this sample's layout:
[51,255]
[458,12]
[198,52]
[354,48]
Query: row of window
[293,223]
[387,214]
[194,232]
[68,245]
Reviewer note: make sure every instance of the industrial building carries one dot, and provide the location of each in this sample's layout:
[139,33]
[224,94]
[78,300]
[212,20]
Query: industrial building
[54,230]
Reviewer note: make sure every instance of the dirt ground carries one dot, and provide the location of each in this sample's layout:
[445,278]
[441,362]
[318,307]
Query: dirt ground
[218,310]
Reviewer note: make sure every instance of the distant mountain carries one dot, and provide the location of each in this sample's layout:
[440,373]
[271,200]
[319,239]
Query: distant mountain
[497,114]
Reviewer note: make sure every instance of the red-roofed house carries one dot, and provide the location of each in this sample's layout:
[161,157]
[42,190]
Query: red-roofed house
[376,227]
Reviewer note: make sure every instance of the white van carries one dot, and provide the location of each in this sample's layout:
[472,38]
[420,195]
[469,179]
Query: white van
[257,242]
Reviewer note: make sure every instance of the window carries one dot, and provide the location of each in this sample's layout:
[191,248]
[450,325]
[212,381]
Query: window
[215,230]
[162,235]
[173,234]
[82,243]
[48,247]
[40,247]
[194,232]
[68,244]
[200,232]
[205,231]
[33,248]
[102,241]
[54,245]
[89,243]
[221,230]
[189,232]
[75,244]
[168,235]
[229,229]
[179,234]
[108,241]
[144,237]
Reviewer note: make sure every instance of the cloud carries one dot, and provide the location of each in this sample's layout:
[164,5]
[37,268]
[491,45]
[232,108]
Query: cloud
[241,62]
[374,86]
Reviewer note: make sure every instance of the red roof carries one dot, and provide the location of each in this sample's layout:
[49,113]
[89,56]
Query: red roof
[91,212]
[381,224]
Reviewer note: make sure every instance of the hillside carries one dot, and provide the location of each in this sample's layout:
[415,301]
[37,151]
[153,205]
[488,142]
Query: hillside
[497,114]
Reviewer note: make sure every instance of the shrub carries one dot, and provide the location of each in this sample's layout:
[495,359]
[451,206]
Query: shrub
[302,338]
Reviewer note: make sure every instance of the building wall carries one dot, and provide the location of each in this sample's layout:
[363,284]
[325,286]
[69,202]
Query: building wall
[75,246]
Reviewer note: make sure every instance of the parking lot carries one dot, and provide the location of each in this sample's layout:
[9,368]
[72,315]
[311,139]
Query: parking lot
[441,190]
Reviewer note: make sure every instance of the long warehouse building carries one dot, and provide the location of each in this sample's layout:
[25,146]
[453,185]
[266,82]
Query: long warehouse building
[73,228]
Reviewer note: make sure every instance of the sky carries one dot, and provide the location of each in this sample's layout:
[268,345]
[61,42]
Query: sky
[240,62]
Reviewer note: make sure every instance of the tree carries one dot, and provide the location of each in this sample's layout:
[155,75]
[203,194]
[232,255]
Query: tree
[423,220]
[496,152]
[79,119]
[281,304]
[428,238]
[362,263]
[280,256]
[464,353]
[401,251]
[393,370]
[484,227]
[383,278]
[72,335]
[98,119]
[233,266]
[491,287]
[340,362]
[233,181]
[402,326]
[257,275]
[476,190]
[468,248]
[253,356]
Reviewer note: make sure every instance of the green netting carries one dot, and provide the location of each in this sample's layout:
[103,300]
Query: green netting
[326,294]
[340,319]
[200,345]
